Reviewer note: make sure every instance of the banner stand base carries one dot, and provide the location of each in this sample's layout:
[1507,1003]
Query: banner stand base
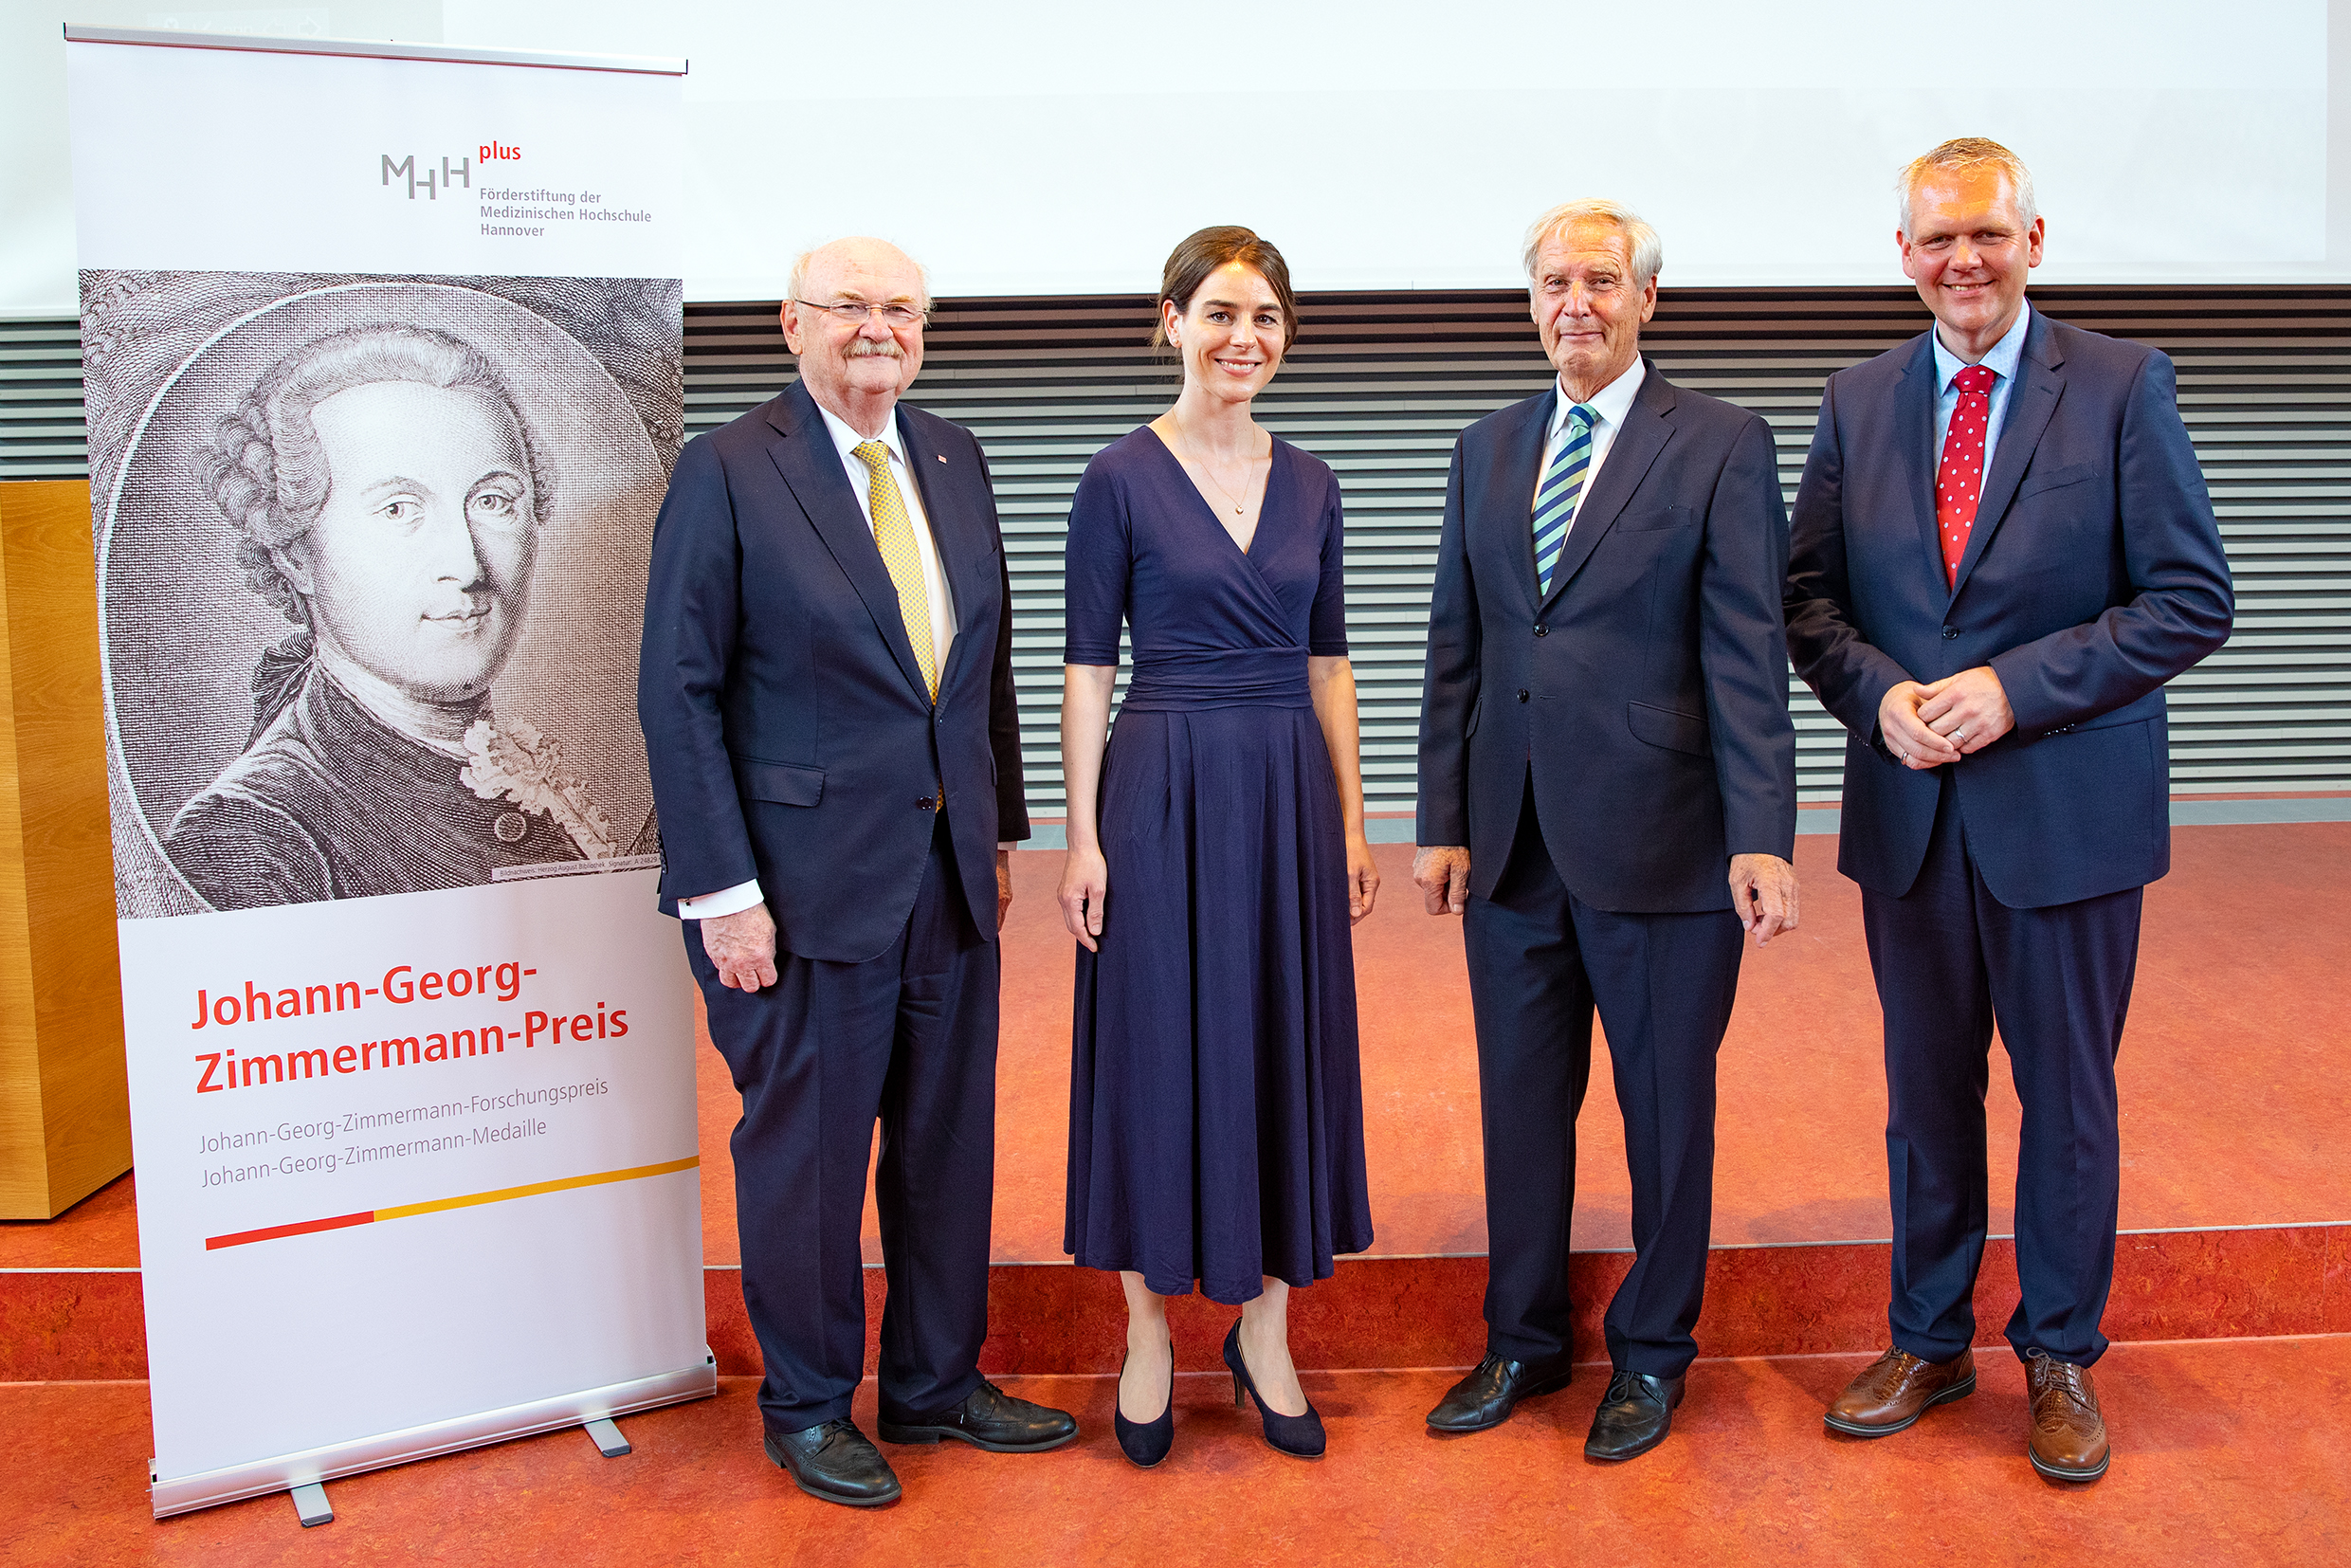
[307,1472]
[607,1439]
[311,1507]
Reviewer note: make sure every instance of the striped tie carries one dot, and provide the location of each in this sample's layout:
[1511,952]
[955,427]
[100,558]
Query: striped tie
[893,534]
[1555,504]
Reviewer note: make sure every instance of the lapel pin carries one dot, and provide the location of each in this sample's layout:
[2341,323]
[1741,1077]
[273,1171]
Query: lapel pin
[942,457]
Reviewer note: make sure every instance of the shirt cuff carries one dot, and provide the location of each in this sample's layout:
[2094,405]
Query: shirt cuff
[729,901]
[1007,844]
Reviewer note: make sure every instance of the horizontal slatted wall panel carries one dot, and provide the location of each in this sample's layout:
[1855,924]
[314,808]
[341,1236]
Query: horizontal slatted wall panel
[1379,384]
[2264,385]
[41,431]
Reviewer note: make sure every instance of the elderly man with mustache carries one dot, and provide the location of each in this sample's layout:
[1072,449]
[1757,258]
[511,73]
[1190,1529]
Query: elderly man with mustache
[828,681]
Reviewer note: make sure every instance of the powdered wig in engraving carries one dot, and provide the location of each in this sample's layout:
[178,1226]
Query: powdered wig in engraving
[267,468]
[386,495]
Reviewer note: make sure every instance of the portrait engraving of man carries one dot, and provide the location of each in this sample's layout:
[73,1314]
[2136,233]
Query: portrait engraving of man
[386,497]
[368,550]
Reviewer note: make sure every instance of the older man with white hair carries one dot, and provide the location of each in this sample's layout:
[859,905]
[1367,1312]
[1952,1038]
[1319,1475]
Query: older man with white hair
[1608,799]
[826,695]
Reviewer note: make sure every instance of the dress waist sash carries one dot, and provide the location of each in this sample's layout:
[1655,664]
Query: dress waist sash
[1219,678]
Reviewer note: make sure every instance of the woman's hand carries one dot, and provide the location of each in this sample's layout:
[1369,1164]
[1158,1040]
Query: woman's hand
[1085,731]
[1362,878]
[1331,680]
[1085,879]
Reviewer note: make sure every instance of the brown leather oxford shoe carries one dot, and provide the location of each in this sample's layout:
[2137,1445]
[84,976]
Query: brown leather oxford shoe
[1896,1389]
[2069,1433]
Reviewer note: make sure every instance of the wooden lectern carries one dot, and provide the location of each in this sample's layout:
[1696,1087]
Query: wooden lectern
[64,1101]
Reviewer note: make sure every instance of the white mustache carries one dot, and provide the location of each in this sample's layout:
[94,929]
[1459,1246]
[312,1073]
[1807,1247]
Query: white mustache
[862,348]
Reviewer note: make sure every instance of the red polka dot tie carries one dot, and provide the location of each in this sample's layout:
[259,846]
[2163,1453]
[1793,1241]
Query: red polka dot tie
[1958,483]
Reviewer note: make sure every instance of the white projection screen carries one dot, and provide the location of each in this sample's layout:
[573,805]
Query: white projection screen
[1054,147]
[1057,147]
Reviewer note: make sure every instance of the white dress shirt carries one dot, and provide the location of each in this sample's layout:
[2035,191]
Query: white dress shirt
[861,482]
[2001,361]
[1608,406]
[743,896]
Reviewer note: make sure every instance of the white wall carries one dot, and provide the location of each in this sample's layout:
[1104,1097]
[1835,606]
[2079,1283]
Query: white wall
[1058,147]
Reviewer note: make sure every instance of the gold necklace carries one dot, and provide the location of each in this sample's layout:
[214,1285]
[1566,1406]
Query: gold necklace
[1240,507]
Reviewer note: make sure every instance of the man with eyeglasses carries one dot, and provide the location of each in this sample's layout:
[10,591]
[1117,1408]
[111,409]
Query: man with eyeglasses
[826,695]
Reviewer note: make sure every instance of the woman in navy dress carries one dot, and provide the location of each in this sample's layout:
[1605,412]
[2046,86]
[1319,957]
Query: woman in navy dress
[1216,859]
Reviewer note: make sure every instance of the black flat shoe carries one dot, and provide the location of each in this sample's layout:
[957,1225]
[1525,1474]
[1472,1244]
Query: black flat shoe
[834,1460]
[1299,1436]
[1146,1442]
[1493,1390]
[1634,1415]
[986,1419]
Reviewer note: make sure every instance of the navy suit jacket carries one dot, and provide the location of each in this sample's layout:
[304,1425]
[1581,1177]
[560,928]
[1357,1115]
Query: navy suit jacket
[787,724]
[2093,574]
[1648,690]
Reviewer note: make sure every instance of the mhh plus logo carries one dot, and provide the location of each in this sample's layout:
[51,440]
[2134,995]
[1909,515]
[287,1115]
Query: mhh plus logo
[448,176]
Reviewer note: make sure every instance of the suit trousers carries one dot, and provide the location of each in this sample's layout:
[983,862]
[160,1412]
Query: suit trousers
[1540,961]
[908,1038]
[1951,962]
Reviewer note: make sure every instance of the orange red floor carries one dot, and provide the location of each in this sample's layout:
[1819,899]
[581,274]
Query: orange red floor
[2229,1453]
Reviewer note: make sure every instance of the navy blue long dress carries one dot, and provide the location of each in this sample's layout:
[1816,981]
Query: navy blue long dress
[1215,1097]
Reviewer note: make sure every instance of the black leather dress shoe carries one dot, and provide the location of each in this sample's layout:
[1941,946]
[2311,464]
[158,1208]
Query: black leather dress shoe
[1635,1415]
[832,1460]
[1493,1390]
[986,1419]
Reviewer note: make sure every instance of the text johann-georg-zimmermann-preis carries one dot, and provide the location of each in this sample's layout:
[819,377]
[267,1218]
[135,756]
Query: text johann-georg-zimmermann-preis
[492,983]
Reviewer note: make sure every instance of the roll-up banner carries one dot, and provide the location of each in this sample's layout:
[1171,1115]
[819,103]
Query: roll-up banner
[383,366]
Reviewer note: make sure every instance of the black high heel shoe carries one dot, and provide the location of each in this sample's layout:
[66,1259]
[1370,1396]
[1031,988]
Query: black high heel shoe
[1145,1443]
[1299,1436]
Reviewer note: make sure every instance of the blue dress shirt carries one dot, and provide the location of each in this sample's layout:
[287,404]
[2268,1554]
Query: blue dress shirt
[2000,361]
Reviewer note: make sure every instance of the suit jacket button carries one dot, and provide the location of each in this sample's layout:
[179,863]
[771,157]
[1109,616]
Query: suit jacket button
[1522,694]
[1950,632]
[926,803]
[1542,630]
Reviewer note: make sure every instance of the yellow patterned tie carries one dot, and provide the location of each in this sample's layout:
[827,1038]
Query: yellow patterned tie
[893,534]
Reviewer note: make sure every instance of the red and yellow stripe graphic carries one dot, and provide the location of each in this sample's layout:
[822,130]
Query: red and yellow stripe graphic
[502,1194]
